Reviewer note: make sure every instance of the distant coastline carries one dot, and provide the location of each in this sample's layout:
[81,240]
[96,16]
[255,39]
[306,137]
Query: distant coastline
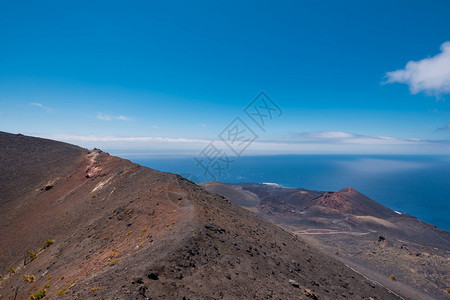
[417,185]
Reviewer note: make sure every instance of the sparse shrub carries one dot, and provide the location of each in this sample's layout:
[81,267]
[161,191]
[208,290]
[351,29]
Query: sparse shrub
[392,277]
[64,290]
[31,254]
[61,291]
[28,278]
[12,270]
[113,254]
[336,252]
[48,243]
[113,262]
[144,229]
[93,289]
[94,196]
[39,295]
[448,290]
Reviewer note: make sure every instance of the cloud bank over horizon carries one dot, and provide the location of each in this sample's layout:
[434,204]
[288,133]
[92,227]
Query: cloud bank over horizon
[317,142]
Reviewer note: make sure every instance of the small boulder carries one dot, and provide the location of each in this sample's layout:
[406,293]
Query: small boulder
[294,283]
[153,276]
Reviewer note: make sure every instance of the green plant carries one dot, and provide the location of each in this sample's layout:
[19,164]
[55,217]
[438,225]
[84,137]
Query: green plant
[448,290]
[392,277]
[64,290]
[61,291]
[47,243]
[32,255]
[94,196]
[113,254]
[12,270]
[113,262]
[39,295]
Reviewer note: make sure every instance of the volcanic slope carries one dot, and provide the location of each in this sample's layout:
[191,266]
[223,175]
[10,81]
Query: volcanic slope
[79,224]
[361,232]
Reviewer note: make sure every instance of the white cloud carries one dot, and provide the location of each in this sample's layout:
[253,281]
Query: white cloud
[134,143]
[331,142]
[96,138]
[330,134]
[341,137]
[46,108]
[105,117]
[430,75]
[123,118]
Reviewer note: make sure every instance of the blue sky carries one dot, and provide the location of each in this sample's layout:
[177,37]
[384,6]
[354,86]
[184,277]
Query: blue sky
[169,76]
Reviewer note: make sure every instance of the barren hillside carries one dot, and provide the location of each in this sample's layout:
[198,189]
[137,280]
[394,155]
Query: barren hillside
[79,224]
[359,231]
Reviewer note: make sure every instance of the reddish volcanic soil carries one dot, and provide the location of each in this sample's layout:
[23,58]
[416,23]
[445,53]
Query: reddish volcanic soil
[100,227]
[359,231]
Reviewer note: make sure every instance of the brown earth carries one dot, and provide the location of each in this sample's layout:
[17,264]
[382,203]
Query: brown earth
[105,228]
[359,231]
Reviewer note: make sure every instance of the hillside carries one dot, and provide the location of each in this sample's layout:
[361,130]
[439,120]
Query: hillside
[97,226]
[359,231]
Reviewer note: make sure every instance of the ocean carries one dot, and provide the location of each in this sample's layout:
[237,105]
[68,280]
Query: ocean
[416,185]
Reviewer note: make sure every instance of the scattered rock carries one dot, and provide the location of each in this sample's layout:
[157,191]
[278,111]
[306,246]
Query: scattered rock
[47,187]
[309,293]
[153,276]
[142,290]
[294,283]
[138,280]
[215,229]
